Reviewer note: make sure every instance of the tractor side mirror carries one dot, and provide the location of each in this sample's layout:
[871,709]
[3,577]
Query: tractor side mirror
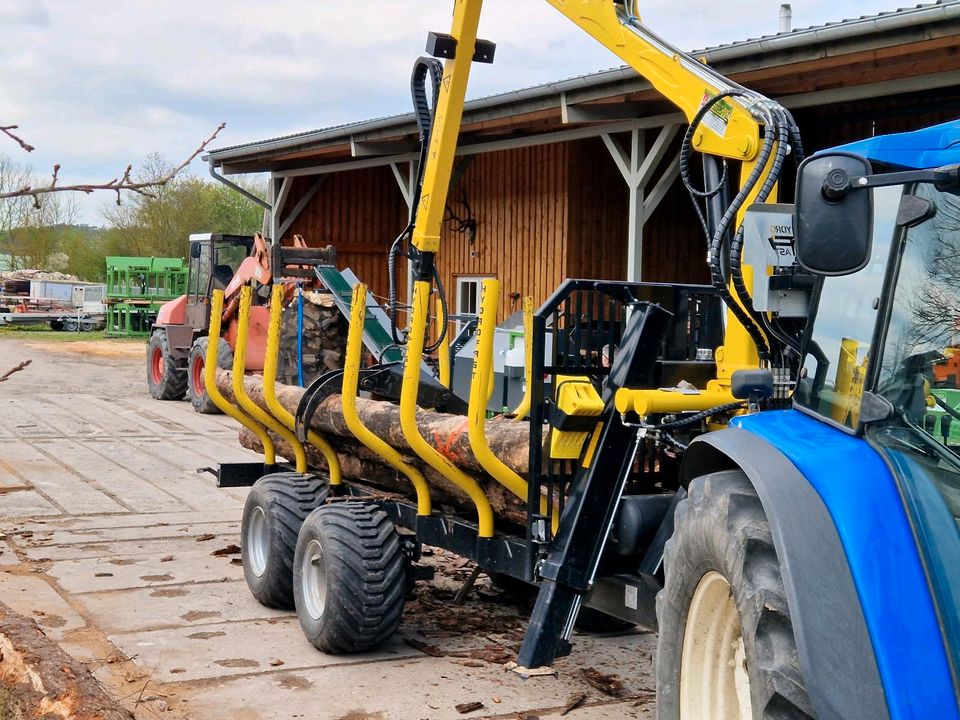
[195,250]
[834,215]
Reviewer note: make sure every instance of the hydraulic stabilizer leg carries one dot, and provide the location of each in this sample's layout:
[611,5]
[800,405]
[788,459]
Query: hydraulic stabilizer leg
[569,568]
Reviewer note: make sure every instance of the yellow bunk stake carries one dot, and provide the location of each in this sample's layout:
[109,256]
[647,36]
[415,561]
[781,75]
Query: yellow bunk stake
[444,349]
[348,398]
[408,414]
[270,387]
[210,381]
[523,409]
[239,362]
[480,385]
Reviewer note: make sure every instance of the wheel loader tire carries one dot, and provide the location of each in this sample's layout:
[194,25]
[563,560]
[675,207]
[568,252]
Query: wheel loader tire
[275,508]
[726,645]
[349,578]
[196,388]
[164,379]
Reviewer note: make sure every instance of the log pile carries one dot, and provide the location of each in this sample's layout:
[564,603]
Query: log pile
[509,441]
[324,338]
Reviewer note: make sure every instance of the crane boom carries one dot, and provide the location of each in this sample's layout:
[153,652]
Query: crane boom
[730,130]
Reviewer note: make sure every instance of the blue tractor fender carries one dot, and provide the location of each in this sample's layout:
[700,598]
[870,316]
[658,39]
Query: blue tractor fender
[867,633]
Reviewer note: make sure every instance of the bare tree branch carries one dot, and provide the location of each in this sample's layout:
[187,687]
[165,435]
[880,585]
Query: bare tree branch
[16,138]
[15,369]
[117,185]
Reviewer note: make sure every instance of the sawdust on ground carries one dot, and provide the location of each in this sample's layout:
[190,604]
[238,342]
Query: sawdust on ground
[98,348]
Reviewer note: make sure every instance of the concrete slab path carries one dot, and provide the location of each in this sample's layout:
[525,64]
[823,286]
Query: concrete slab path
[104,526]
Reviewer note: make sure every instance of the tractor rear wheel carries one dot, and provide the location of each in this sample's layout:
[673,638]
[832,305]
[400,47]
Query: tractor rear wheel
[272,515]
[196,388]
[726,647]
[349,577]
[165,380]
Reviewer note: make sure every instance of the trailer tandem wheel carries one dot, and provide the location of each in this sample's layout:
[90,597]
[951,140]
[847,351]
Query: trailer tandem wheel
[165,380]
[726,647]
[196,387]
[275,508]
[349,577]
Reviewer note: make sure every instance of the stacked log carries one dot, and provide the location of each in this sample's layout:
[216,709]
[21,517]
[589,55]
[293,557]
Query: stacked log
[324,338]
[509,441]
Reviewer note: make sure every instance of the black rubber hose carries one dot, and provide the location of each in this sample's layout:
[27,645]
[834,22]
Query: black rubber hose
[423,105]
[719,232]
[736,246]
[697,417]
[442,297]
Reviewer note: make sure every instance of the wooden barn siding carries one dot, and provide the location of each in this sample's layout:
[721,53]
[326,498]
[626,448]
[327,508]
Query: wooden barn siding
[555,211]
[597,228]
[360,213]
[597,245]
[519,200]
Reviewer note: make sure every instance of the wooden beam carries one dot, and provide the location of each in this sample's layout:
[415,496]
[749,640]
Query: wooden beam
[656,154]
[384,147]
[598,112]
[660,190]
[301,204]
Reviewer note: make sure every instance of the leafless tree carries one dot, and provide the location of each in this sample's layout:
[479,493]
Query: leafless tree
[122,183]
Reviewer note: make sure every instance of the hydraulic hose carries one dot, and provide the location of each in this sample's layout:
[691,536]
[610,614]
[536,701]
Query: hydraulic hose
[423,105]
[715,235]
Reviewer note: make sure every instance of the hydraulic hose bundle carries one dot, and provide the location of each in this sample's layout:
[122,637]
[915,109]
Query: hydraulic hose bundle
[423,108]
[780,138]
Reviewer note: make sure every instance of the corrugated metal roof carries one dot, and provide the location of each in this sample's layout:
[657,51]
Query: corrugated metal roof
[831,31]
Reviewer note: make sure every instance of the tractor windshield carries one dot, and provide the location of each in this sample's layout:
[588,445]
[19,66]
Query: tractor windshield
[918,371]
[894,328]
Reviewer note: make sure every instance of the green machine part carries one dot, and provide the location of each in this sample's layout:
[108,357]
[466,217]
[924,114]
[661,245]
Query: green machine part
[136,288]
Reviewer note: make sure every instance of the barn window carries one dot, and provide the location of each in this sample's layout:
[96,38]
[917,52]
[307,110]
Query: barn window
[468,295]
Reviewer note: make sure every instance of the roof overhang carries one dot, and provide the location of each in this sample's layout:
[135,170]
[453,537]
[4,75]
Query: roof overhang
[906,51]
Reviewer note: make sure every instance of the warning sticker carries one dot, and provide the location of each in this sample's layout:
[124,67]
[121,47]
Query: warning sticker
[718,117]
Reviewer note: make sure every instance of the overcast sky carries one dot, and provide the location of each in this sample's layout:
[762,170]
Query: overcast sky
[97,85]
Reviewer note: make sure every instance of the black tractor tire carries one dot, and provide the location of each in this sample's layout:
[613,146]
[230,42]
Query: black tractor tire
[275,508]
[349,578]
[196,387]
[165,380]
[721,528]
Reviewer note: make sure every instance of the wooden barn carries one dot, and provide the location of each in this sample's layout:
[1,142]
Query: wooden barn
[579,178]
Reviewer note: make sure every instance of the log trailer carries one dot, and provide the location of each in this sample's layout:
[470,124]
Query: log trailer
[747,468]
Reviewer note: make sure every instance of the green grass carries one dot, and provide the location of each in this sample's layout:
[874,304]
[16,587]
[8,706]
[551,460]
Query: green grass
[45,334]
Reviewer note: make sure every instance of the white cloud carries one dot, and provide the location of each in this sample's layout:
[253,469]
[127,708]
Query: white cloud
[97,85]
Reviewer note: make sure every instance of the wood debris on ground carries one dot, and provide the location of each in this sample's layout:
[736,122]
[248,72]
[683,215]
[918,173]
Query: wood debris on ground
[469,707]
[231,549]
[606,683]
[573,703]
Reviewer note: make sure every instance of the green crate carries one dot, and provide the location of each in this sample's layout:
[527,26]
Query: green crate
[131,278]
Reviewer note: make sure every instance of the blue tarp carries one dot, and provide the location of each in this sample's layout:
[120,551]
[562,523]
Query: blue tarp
[930,147]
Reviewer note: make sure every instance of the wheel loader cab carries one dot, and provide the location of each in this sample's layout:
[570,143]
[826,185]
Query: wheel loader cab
[214,261]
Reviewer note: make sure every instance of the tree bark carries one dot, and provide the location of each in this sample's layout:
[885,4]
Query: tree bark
[509,440]
[361,465]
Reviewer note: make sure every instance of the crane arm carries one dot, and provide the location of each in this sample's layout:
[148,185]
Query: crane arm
[728,130]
